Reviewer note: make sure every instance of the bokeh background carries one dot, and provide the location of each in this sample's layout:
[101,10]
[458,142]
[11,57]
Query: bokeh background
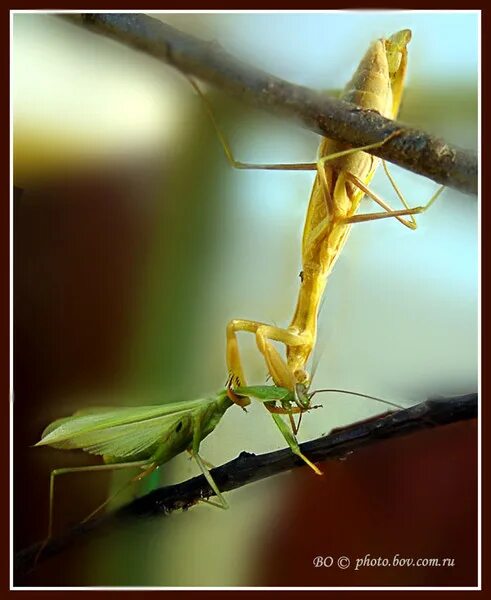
[135,243]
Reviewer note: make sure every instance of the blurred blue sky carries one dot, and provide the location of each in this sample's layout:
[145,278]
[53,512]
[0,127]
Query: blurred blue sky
[444,45]
[103,81]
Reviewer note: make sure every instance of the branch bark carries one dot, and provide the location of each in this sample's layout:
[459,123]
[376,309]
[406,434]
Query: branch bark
[414,150]
[248,468]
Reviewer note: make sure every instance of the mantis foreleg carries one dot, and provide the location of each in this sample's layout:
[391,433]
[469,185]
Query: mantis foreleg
[277,366]
[291,440]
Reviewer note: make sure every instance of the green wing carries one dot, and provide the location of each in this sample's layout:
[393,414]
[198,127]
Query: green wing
[131,432]
[86,411]
[128,440]
[98,418]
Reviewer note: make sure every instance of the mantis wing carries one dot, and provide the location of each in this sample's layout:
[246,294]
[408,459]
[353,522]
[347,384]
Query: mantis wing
[130,432]
[129,440]
[98,418]
[123,441]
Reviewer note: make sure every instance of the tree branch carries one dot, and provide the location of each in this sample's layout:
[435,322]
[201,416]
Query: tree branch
[414,150]
[247,468]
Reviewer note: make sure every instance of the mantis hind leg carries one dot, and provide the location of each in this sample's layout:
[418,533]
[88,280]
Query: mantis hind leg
[389,212]
[319,167]
[147,469]
[321,173]
[356,181]
[90,468]
[395,213]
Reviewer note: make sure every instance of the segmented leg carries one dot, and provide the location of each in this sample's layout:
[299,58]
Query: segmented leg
[237,164]
[222,502]
[150,468]
[279,410]
[319,167]
[90,468]
[277,366]
[205,462]
[373,196]
[394,213]
[291,440]
[389,212]
[319,232]
[194,451]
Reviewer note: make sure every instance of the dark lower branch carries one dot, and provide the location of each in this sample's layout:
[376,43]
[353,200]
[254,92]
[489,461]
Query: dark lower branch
[414,150]
[247,468]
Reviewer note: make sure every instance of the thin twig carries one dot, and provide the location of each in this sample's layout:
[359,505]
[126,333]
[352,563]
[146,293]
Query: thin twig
[248,468]
[414,150]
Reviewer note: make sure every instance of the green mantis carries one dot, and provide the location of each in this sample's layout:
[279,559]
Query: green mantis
[147,437]
[144,437]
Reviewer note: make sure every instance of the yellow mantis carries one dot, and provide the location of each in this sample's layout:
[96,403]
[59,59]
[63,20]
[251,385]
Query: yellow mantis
[147,437]
[342,179]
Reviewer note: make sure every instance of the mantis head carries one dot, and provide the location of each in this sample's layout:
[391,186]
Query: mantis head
[396,53]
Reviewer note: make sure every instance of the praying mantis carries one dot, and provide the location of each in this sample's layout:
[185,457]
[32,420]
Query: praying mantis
[147,437]
[342,178]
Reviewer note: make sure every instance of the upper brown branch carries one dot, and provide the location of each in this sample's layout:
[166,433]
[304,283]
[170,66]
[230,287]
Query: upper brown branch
[414,150]
[247,468]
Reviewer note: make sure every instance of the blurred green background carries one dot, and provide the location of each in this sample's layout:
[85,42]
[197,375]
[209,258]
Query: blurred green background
[135,243]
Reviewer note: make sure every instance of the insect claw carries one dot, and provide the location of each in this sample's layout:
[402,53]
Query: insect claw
[241,401]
